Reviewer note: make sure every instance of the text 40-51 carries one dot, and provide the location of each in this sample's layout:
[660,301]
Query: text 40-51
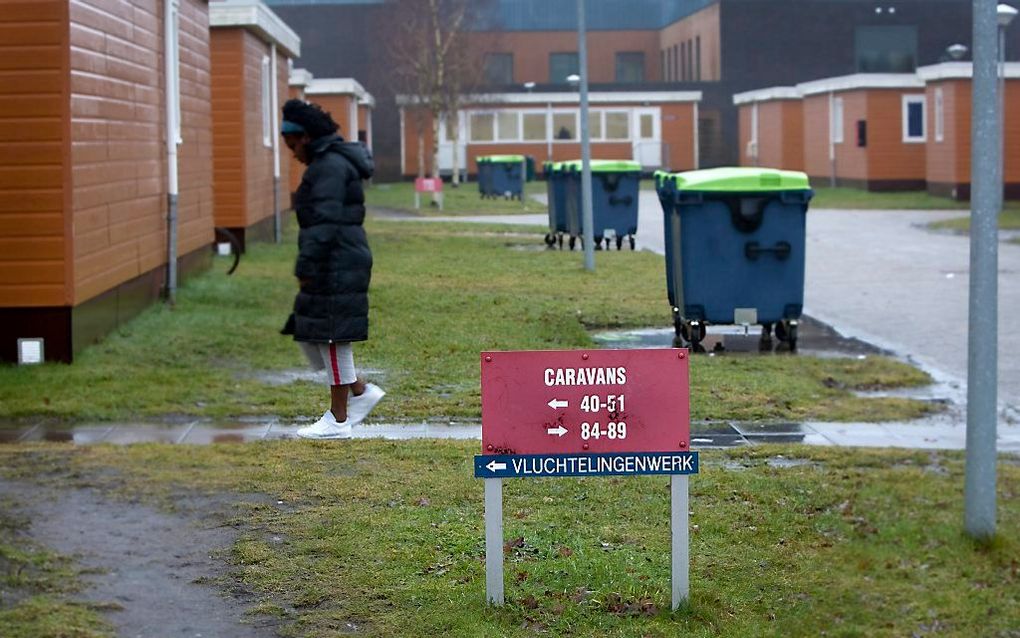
[595,403]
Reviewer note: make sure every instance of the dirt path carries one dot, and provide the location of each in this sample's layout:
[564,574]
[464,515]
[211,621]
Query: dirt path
[156,570]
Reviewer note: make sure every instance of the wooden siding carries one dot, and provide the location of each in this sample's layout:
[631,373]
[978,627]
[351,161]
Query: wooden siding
[229,126]
[793,135]
[816,137]
[339,108]
[889,157]
[35,262]
[258,173]
[852,161]
[195,154]
[943,160]
[1011,134]
[678,133]
[118,139]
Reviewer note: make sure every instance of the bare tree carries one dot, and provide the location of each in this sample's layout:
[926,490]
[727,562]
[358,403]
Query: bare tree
[430,58]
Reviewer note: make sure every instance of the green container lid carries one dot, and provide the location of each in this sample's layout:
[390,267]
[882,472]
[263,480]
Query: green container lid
[604,166]
[739,179]
[500,159]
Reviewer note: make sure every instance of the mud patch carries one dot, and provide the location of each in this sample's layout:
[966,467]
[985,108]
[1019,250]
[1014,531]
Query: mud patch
[152,573]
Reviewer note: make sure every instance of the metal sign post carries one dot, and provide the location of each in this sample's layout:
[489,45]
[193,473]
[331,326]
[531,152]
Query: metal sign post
[575,413]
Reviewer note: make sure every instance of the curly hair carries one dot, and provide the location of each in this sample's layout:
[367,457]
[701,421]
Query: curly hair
[317,122]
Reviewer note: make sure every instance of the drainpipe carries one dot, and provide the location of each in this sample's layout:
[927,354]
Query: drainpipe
[275,101]
[173,116]
[832,140]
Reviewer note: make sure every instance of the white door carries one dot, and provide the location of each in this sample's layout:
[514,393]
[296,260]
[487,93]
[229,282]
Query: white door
[446,145]
[647,136]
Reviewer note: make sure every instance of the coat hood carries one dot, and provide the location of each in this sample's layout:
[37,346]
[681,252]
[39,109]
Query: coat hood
[355,152]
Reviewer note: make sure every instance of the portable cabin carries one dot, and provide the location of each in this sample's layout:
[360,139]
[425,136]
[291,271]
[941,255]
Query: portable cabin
[771,128]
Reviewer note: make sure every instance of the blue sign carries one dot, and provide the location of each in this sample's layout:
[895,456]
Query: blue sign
[554,465]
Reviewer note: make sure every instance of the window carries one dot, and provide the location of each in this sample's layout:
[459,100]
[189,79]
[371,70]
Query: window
[683,62]
[940,124]
[506,126]
[449,126]
[561,66]
[647,125]
[595,125]
[482,127]
[617,125]
[697,58]
[913,118]
[891,49]
[565,126]
[630,66]
[498,68]
[534,127]
[836,121]
[267,104]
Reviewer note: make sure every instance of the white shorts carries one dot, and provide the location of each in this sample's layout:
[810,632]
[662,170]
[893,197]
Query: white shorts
[337,359]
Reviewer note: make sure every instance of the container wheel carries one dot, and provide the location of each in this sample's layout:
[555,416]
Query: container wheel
[619,242]
[765,342]
[572,241]
[550,240]
[630,238]
[598,243]
[560,238]
[786,331]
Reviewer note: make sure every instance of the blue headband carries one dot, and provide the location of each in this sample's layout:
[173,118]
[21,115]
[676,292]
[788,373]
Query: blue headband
[288,127]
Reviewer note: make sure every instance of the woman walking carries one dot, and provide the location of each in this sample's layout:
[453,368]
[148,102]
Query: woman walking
[334,263]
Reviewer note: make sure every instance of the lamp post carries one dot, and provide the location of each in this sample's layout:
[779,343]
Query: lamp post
[986,203]
[587,217]
[1004,14]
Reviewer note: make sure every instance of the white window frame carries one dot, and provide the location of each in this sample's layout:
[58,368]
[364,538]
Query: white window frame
[630,118]
[577,125]
[267,108]
[909,99]
[836,121]
[940,114]
[471,129]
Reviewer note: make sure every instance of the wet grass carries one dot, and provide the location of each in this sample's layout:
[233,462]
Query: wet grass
[35,588]
[856,198]
[387,538]
[441,293]
[1009,219]
[462,200]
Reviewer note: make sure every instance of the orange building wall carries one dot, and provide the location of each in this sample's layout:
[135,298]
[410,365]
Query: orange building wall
[35,260]
[195,207]
[259,156]
[118,140]
[852,160]
[816,136]
[339,107]
[793,135]
[678,132]
[364,116]
[531,51]
[413,120]
[889,157]
[780,134]
[705,25]
[229,156]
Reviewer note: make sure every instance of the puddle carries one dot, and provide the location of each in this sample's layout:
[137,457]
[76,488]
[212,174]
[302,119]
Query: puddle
[814,338]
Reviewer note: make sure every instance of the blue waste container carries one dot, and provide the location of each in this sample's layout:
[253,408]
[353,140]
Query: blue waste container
[734,241]
[501,175]
[556,193]
[615,186]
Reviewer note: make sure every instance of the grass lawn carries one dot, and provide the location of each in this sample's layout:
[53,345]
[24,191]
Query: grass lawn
[441,293]
[461,200]
[1009,219]
[841,197]
[389,536]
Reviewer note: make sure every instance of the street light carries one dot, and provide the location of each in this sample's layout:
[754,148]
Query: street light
[1004,14]
[954,53]
[528,86]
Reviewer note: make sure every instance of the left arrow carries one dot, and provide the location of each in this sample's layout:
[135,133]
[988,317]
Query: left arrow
[494,466]
[556,403]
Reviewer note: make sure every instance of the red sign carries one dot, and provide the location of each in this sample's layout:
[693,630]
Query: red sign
[585,401]
[428,184]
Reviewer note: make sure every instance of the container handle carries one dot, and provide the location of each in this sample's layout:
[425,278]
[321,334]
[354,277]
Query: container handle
[782,249]
[625,200]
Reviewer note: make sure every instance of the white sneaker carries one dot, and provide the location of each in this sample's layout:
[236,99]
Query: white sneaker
[327,428]
[359,406]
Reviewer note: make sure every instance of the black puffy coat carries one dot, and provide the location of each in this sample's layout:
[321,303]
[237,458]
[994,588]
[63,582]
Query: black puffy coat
[333,259]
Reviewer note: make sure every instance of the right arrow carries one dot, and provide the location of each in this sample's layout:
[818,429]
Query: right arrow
[559,430]
[556,403]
